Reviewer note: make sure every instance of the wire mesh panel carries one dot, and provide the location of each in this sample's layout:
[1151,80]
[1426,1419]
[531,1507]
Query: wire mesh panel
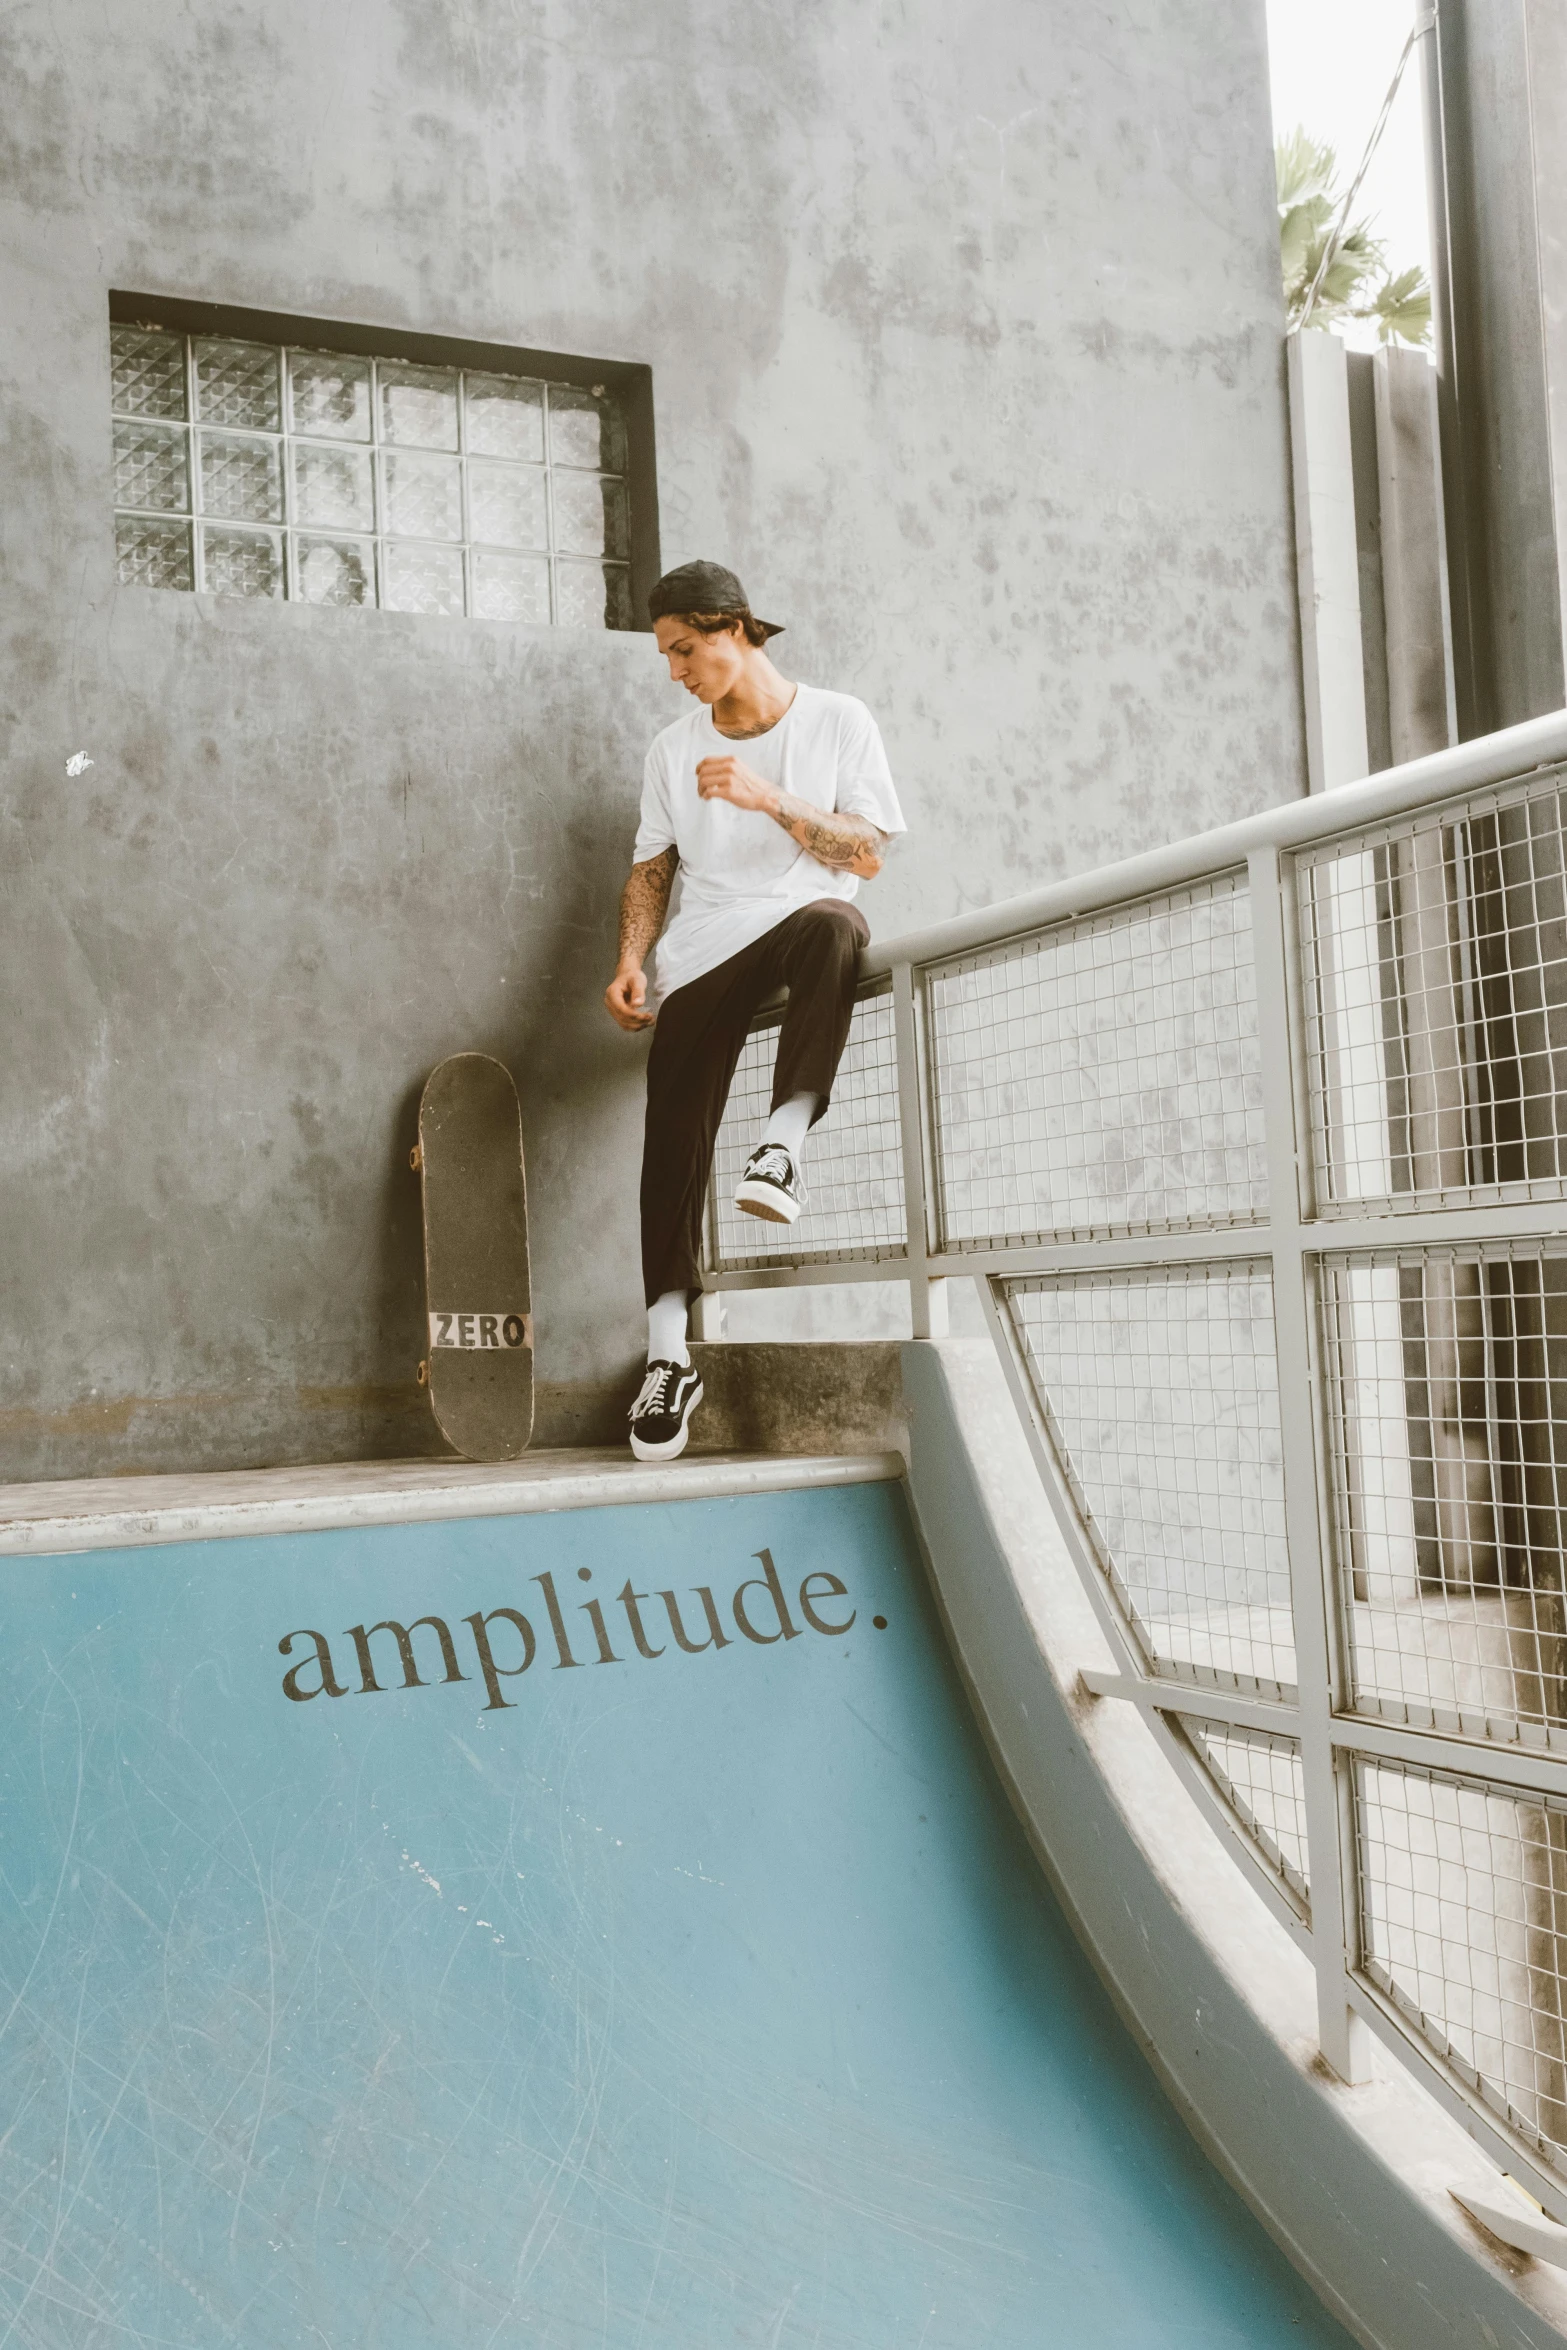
[1436,1005]
[1160,1391]
[1463,1896]
[1261,1779]
[853,1162]
[1101,1077]
[1446,1377]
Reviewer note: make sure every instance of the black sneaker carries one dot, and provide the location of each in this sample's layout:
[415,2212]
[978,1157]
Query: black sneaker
[661,1415]
[771,1185]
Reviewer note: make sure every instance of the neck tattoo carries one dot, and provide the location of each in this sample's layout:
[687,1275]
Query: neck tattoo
[745,734]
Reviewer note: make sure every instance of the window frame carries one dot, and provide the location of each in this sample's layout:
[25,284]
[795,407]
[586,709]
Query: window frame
[630,382]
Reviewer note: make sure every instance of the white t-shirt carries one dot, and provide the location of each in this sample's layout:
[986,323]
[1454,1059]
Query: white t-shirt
[740,873]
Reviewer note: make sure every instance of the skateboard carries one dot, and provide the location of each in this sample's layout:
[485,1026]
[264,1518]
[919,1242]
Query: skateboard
[479,1369]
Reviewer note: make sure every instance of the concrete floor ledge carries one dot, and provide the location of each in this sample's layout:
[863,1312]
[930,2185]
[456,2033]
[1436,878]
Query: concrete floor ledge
[113,1513]
[815,1396]
[808,1395]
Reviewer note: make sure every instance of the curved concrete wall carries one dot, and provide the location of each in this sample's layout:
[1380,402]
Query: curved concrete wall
[668,2001]
[964,336]
[1354,2183]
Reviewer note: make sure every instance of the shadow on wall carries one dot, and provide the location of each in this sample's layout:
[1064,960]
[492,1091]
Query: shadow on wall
[399,1283]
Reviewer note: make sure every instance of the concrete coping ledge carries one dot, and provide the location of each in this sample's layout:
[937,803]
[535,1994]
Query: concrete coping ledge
[113,1513]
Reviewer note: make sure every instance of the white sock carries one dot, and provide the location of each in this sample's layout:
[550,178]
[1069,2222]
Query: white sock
[791,1124]
[667,1318]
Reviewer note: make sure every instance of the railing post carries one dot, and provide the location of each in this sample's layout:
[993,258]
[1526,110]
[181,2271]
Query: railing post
[927,1298]
[708,1316]
[1343,2037]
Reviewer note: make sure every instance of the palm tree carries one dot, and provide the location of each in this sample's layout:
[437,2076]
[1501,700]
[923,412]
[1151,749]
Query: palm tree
[1357,282]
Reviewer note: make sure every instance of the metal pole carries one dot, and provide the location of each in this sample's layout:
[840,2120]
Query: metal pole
[1294,824]
[927,1298]
[1341,2032]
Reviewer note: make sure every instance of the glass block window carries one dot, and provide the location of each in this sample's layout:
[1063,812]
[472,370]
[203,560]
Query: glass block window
[261,469]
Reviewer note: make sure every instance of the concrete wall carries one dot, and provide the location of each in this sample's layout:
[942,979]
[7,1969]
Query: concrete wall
[964,329]
[1502,72]
[1548,77]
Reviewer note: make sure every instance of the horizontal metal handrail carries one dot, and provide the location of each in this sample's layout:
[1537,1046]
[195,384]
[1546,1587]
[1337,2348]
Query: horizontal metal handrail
[1498,758]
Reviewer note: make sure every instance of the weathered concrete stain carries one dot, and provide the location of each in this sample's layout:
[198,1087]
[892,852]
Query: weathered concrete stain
[964,335]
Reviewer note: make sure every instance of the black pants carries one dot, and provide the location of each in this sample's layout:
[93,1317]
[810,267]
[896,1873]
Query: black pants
[701,1029]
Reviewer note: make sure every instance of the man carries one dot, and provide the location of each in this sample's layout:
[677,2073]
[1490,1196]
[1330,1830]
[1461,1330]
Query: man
[771,848]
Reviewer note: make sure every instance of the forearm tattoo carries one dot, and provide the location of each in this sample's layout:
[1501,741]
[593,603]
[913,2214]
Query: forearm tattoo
[643,904]
[851,844]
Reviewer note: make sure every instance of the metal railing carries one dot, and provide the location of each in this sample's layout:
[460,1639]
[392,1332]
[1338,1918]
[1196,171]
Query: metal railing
[1255,1149]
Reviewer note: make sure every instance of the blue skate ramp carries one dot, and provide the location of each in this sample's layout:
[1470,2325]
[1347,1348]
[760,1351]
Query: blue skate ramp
[674,2002]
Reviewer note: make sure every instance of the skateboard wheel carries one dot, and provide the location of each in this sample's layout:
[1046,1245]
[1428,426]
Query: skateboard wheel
[424,1374]
[416,1158]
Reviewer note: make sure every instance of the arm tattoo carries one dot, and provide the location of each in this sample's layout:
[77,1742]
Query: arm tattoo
[643,904]
[850,844]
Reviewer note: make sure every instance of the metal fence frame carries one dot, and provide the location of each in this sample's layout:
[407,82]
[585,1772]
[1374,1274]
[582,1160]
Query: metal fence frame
[1333,1739]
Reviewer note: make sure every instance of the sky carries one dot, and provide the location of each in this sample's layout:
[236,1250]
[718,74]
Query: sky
[1331,63]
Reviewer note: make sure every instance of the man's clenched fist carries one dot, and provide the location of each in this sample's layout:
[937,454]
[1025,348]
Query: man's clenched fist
[625,997]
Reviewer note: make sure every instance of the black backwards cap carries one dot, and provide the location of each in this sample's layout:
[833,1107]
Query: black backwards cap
[703,587]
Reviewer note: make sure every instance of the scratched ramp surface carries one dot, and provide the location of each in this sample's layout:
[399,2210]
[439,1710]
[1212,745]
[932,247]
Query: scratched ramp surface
[684,2001]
